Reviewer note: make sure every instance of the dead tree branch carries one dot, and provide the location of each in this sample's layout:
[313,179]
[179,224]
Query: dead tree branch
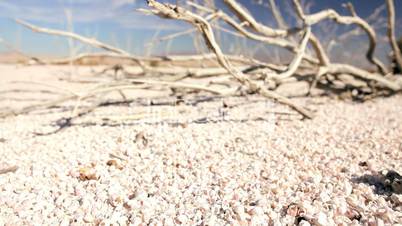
[332,14]
[342,68]
[294,65]
[230,72]
[130,84]
[360,73]
[90,41]
[391,34]
[277,41]
[244,16]
[277,15]
[174,12]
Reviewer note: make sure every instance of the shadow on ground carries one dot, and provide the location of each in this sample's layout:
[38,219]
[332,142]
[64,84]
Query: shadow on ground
[222,108]
[384,183]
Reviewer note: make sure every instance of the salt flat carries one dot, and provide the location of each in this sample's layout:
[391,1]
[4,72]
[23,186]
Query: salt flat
[200,160]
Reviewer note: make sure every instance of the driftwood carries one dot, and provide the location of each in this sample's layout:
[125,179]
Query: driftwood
[167,11]
[231,73]
[391,34]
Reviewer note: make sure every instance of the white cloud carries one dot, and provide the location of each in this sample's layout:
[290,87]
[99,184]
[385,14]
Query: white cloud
[121,12]
[119,3]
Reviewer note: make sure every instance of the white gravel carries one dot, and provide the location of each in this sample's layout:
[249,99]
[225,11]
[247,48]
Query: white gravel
[207,165]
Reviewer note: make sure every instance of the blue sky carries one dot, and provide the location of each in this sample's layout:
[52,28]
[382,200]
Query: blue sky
[116,22]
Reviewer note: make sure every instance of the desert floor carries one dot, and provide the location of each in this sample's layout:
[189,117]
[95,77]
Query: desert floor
[200,160]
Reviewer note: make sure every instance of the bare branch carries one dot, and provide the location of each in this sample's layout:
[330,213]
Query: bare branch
[322,56]
[332,14]
[351,8]
[109,88]
[319,50]
[375,19]
[294,65]
[167,11]
[357,72]
[167,71]
[244,16]
[10,169]
[171,36]
[169,58]
[391,34]
[89,41]
[277,15]
[266,39]
[80,38]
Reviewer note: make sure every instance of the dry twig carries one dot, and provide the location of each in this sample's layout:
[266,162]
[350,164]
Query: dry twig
[89,41]
[243,15]
[80,38]
[11,169]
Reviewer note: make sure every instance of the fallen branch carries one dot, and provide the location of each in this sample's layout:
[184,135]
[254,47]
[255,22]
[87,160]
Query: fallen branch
[130,84]
[249,73]
[174,12]
[11,169]
[84,56]
[360,73]
[154,59]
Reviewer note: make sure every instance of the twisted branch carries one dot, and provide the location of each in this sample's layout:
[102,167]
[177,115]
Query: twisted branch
[174,12]
[332,14]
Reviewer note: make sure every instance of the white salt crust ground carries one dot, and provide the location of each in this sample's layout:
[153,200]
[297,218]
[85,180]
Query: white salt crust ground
[204,164]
